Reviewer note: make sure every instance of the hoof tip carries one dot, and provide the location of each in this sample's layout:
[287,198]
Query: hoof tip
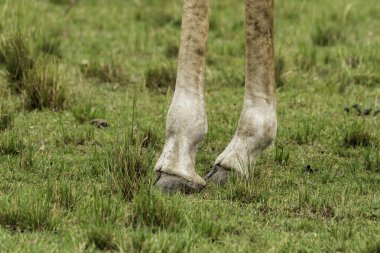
[218,175]
[173,183]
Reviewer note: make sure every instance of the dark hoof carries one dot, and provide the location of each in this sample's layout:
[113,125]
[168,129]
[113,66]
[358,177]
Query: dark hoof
[218,175]
[172,183]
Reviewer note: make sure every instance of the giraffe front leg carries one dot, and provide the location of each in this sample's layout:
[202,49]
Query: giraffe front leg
[257,124]
[186,127]
[186,122]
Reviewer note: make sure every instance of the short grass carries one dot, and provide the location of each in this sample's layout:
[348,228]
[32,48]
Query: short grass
[67,186]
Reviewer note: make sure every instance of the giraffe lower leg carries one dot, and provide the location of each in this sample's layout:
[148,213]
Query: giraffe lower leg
[186,122]
[257,124]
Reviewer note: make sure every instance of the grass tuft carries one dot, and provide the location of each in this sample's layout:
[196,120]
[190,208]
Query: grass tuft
[6,117]
[374,247]
[16,56]
[5,92]
[312,203]
[138,239]
[372,162]
[143,240]
[85,112]
[151,209]
[102,238]
[147,138]
[279,71]
[44,86]
[282,155]
[172,50]
[128,168]
[51,46]
[62,194]
[326,34]
[307,57]
[161,78]
[105,72]
[357,136]
[11,143]
[26,214]
[205,225]
[26,159]
[84,135]
[27,70]
[305,134]
[104,210]
[229,77]
[253,189]
[369,80]
[63,2]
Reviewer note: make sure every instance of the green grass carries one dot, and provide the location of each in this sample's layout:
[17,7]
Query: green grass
[16,57]
[6,116]
[161,78]
[67,186]
[44,86]
[21,214]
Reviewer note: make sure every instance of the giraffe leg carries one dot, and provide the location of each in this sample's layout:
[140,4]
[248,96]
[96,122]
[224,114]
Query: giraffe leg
[257,125]
[186,122]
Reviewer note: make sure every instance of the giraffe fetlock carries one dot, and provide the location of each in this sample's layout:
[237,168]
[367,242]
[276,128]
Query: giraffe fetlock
[178,160]
[256,130]
[186,127]
[175,167]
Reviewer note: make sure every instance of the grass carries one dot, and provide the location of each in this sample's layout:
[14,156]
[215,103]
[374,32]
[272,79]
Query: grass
[26,214]
[102,238]
[63,2]
[16,56]
[11,143]
[63,195]
[68,186]
[85,111]
[160,78]
[106,72]
[305,133]
[128,167]
[6,116]
[51,46]
[26,159]
[254,189]
[104,209]
[327,34]
[281,155]
[279,69]
[356,135]
[31,73]
[77,138]
[150,209]
[372,162]
[44,86]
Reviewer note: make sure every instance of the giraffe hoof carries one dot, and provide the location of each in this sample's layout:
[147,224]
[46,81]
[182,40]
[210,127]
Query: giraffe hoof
[218,175]
[173,183]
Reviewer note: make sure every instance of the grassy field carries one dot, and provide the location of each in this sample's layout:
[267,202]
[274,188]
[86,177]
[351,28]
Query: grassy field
[69,186]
